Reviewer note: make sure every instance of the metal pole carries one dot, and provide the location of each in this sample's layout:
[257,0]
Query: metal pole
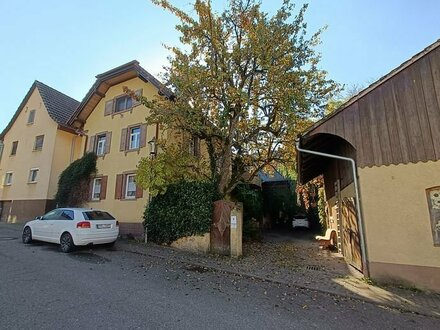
[358,202]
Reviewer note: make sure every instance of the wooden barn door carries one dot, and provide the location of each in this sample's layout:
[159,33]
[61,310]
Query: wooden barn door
[351,248]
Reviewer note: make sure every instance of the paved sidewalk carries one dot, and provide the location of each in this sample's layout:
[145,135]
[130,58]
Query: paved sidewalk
[331,275]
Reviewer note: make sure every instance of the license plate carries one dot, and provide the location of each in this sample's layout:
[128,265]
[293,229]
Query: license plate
[103,226]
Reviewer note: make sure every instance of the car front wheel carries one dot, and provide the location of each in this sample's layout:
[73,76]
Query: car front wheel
[27,235]
[66,243]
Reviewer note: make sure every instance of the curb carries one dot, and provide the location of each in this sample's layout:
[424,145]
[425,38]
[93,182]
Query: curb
[400,308]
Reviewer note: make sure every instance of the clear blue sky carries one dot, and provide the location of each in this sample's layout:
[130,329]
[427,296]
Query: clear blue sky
[65,44]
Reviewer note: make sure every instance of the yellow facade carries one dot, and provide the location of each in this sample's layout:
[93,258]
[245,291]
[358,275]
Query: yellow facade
[54,156]
[26,158]
[116,161]
[397,222]
[396,214]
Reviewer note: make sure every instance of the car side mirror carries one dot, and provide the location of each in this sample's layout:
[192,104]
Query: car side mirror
[39,217]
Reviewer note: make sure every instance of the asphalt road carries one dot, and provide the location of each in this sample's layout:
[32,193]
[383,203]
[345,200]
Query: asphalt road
[101,288]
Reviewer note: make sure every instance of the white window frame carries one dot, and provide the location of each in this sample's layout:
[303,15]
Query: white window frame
[31,171]
[127,191]
[95,180]
[134,141]
[100,144]
[125,107]
[9,175]
[29,122]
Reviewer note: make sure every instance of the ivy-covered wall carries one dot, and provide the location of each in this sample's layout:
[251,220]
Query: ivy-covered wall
[73,184]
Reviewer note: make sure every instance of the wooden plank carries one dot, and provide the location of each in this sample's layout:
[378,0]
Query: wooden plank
[329,127]
[382,127]
[316,130]
[431,88]
[339,124]
[364,119]
[373,127]
[416,149]
[420,107]
[349,129]
[400,122]
[358,135]
[391,117]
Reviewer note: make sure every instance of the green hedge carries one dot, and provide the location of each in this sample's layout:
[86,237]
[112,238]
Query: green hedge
[185,209]
[73,183]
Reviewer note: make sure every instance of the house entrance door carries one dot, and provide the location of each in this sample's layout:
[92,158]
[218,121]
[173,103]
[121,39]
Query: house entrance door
[351,248]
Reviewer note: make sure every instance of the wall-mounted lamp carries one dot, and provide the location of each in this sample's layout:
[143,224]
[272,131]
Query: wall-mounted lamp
[152,144]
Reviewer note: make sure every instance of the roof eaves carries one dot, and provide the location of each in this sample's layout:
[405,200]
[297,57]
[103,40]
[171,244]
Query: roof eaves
[102,77]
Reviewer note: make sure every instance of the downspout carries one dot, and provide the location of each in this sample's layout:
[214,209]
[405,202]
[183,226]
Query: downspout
[360,221]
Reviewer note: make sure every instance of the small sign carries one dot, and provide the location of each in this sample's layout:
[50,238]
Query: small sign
[233,222]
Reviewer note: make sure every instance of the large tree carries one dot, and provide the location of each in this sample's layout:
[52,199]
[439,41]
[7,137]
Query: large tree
[245,83]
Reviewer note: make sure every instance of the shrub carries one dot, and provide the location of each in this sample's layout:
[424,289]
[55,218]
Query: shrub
[185,209]
[73,184]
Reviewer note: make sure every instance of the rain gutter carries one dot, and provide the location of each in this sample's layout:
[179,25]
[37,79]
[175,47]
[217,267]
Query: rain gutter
[360,221]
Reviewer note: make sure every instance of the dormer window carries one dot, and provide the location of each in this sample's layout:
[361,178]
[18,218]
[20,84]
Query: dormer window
[31,117]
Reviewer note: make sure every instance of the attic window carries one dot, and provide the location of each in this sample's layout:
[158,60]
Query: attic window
[123,103]
[31,117]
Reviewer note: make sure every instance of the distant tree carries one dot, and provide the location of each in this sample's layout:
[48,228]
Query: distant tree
[346,94]
[245,83]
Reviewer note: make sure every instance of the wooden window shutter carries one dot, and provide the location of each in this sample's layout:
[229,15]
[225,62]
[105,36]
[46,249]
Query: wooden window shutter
[123,146]
[118,186]
[108,141]
[103,192]
[138,94]
[143,136]
[108,108]
[139,191]
[90,189]
[92,143]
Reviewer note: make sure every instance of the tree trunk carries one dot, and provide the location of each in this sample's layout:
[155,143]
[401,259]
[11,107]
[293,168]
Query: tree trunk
[225,171]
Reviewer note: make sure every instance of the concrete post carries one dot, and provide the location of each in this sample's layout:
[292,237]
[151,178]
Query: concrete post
[236,230]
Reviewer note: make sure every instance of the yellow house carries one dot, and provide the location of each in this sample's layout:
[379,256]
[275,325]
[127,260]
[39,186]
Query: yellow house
[115,127]
[35,147]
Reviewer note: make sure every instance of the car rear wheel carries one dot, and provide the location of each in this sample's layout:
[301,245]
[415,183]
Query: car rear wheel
[27,235]
[66,243]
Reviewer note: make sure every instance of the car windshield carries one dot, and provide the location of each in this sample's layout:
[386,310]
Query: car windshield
[97,215]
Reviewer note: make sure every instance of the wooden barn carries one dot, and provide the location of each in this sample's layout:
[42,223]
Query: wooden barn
[380,157]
